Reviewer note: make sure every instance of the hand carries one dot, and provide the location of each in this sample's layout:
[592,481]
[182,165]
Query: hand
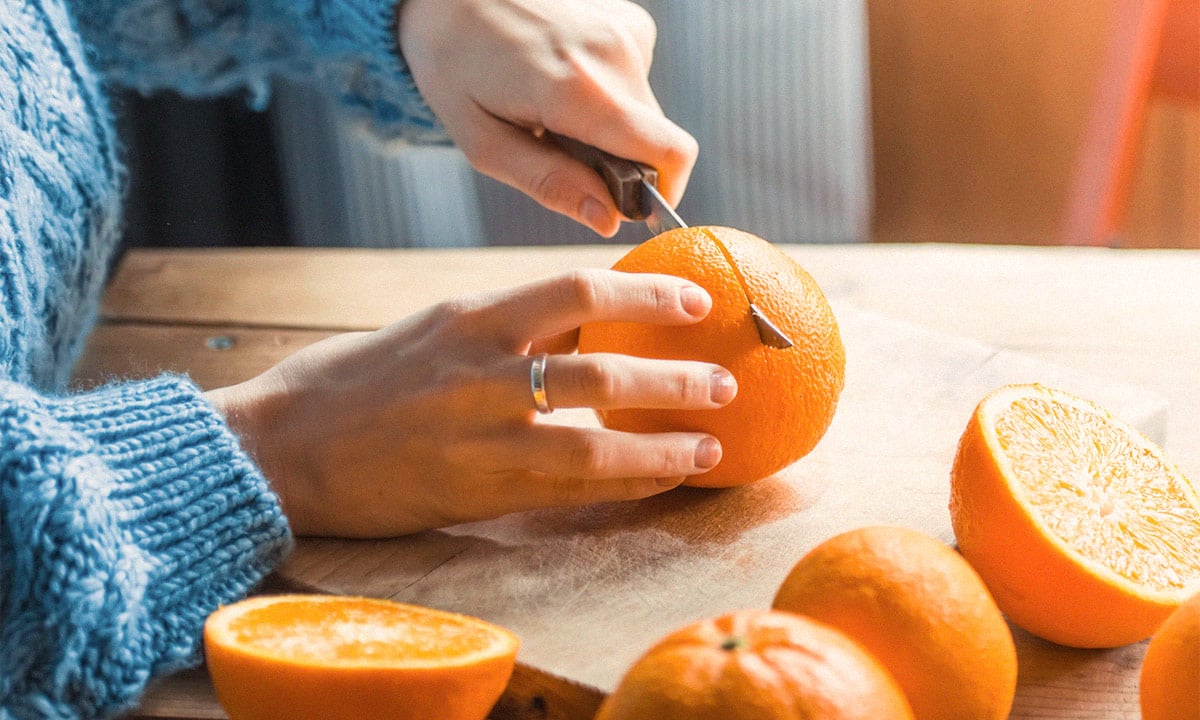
[430,421]
[499,72]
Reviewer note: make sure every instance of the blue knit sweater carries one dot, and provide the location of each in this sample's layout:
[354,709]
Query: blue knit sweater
[129,512]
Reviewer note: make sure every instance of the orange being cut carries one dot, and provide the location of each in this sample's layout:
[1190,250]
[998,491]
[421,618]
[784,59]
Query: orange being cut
[786,397]
[756,665]
[920,609]
[328,657]
[1083,531]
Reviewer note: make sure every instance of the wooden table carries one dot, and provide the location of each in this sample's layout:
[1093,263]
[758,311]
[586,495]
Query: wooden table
[1130,317]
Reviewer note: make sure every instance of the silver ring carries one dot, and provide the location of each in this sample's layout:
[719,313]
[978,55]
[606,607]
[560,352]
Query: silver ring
[537,383]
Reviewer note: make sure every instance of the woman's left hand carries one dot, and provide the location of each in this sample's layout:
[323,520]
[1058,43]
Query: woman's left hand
[431,421]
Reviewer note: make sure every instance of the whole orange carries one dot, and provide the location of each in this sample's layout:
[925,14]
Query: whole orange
[1170,680]
[919,608]
[756,665]
[326,657]
[786,397]
[1083,531]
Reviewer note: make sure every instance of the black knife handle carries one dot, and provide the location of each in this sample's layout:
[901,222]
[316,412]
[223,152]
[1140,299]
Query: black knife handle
[623,177]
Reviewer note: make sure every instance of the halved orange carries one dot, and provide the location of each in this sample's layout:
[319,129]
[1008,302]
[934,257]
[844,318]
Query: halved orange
[1083,531]
[332,657]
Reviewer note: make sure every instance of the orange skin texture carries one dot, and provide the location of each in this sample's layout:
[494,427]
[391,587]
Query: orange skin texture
[1170,680]
[257,686]
[786,398]
[1040,584]
[787,667]
[919,608]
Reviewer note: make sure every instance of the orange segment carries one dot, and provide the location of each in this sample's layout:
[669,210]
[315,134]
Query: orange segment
[1084,532]
[1102,490]
[317,656]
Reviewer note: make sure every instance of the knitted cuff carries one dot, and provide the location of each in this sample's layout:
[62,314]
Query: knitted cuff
[199,521]
[130,513]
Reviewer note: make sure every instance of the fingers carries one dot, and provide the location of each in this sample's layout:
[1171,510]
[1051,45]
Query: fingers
[565,302]
[580,70]
[542,171]
[555,491]
[565,466]
[636,131]
[590,454]
[606,381]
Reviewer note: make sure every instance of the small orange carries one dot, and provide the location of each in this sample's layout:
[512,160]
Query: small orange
[756,665]
[341,658]
[919,608]
[1170,681]
[786,397]
[1082,530]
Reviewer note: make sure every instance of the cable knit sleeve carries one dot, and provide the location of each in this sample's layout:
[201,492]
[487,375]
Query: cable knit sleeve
[129,513]
[208,47]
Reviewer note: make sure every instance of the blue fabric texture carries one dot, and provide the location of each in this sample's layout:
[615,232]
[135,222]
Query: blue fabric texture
[130,512]
[198,47]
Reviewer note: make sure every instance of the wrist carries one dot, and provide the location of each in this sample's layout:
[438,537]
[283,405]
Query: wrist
[253,410]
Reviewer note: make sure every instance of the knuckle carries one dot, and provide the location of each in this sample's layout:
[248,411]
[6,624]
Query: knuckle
[641,24]
[663,298]
[598,382]
[675,459]
[689,390]
[568,85]
[682,151]
[584,290]
[551,188]
[587,457]
[459,314]
[573,491]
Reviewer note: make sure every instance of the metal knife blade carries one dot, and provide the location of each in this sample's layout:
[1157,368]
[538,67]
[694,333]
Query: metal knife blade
[660,216]
[634,188]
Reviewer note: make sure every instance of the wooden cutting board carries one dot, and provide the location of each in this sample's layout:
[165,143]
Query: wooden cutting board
[588,590]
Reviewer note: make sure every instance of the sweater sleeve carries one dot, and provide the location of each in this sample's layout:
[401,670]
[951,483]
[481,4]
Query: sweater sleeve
[210,47]
[129,513]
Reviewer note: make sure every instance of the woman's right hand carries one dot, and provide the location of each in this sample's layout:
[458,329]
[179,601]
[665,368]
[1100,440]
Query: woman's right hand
[499,72]
[431,421]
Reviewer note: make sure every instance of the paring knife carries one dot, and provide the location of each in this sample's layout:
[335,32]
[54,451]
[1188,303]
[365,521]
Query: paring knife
[634,188]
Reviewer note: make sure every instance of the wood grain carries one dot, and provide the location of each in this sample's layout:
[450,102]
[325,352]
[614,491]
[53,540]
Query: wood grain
[589,589]
[1107,318]
[214,356]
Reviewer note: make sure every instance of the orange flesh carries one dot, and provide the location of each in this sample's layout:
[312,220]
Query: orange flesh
[357,633]
[1101,492]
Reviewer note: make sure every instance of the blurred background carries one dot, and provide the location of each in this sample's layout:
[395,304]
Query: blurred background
[990,121]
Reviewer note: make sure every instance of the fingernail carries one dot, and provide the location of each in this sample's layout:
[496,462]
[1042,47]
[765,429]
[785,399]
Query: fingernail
[595,213]
[722,386]
[695,300]
[708,453]
[668,482]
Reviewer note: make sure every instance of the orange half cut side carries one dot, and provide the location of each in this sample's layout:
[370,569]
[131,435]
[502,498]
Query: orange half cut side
[1082,529]
[317,656]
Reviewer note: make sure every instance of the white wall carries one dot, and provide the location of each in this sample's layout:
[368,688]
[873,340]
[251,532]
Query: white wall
[775,91]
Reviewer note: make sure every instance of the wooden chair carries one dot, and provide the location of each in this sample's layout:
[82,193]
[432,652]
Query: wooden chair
[1153,52]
